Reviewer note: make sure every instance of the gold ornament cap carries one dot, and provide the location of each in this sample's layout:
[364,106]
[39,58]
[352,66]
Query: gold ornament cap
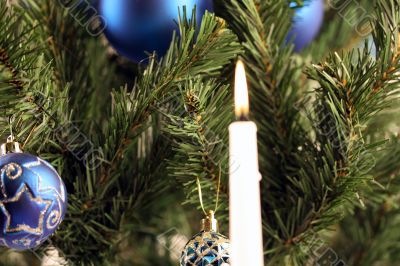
[209,223]
[10,146]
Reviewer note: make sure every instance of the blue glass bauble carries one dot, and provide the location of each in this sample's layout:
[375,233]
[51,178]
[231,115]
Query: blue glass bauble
[307,23]
[134,27]
[371,46]
[33,200]
[208,248]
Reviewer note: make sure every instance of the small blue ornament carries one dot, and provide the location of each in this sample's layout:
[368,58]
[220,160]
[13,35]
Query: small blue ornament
[207,248]
[307,23]
[33,200]
[134,27]
[371,46]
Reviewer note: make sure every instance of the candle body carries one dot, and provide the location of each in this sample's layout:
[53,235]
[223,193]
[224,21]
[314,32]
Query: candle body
[245,220]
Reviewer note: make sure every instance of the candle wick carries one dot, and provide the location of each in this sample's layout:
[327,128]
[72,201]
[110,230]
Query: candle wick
[243,118]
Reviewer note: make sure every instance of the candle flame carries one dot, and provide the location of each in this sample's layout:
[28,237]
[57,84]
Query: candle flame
[241,91]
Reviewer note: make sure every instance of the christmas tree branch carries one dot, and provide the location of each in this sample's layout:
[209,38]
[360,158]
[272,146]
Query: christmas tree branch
[275,97]
[200,138]
[129,171]
[290,162]
[369,234]
[64,32]
[30,99]
[187,60]
[348,92]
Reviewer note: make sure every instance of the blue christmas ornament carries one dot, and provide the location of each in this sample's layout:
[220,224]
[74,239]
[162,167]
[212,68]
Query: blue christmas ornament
[307,23]
[33,199]
[135,27]
[207,248]
[371,46]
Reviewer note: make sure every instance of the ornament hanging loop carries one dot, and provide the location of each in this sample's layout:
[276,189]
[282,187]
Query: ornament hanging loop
[10,146]
[201,193]
[209,223]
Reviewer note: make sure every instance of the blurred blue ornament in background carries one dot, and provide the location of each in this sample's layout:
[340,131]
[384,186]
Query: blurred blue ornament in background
[136,27]
[307,23]
[33,200]
[371,46]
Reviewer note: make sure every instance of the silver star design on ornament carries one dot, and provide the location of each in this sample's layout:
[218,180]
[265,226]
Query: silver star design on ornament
[39,162]
[26,242]
[25,195]
[12,171]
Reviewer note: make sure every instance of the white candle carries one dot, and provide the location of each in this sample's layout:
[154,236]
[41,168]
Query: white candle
[244,182]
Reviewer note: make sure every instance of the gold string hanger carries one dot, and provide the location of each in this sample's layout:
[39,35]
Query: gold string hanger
[211,213]
[10,123]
